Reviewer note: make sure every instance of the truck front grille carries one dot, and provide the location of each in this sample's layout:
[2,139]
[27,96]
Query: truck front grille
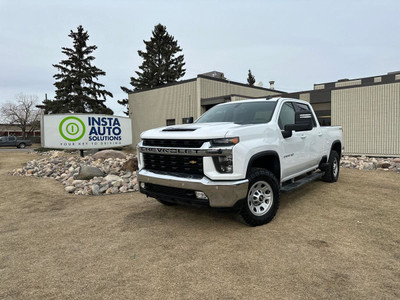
[174,143]
[174,163]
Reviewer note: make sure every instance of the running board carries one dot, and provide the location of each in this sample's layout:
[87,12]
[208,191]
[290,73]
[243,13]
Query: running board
[294,185]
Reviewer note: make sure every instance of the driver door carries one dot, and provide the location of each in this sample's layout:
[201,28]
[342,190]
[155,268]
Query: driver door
[293,159]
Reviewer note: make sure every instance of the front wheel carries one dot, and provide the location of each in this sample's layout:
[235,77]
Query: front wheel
[262,200]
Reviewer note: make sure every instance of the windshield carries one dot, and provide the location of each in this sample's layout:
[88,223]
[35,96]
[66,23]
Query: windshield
[240,113]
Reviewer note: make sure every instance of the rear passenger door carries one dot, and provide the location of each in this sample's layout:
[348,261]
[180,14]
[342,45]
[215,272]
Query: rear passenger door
[12,140]
[312,140]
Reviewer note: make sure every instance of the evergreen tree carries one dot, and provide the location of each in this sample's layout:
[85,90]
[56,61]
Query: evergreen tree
[77,88]
[250,79]
[161,64]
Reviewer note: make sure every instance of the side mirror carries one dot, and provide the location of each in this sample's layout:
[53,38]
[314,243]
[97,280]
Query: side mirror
[286,133]
[288,129]
[304,122]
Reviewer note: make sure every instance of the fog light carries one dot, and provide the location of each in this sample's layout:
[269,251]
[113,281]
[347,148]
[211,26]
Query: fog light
[201,195]
[143,185]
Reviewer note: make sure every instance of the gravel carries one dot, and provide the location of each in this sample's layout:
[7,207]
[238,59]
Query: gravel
[371,163]
[65,168]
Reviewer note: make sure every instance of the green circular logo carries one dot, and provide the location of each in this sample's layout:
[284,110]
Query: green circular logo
[72,129]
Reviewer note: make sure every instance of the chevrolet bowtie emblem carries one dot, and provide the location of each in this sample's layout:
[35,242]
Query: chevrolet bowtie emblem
[192,162]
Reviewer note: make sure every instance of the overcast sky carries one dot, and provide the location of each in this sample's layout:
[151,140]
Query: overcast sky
[295,42]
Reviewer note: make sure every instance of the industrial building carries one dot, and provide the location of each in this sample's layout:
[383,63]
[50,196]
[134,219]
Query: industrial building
[367,108]
[184,101]
[15,130]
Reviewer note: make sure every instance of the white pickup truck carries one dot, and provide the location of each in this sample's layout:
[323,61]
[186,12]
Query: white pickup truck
[240,154]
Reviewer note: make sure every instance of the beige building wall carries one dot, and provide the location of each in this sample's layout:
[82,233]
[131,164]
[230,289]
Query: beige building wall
[370,117]
[151,109]
[305,97]
[215,88]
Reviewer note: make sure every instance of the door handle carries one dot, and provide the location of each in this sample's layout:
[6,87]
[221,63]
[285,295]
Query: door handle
[319,133]
[303,136]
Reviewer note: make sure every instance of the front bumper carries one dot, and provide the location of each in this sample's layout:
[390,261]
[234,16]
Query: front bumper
[219,193]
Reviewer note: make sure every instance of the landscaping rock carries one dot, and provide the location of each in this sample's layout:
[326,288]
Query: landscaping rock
[370,163]
[112,178]
[70,189]
[88,172]
[95,189]
[105,154]
[130,165]
[68,170]
[384,165]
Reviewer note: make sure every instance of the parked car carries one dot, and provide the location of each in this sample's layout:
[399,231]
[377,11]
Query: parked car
[12,141]
[240,154]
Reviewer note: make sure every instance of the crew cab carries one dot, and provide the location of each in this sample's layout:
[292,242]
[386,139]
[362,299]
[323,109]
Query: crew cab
[239,154]
[12,141]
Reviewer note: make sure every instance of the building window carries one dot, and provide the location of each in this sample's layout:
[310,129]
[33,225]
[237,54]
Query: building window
[170,122]
[187,120]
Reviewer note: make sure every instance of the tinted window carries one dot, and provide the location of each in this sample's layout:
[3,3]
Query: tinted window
[304,108]
[287,115]
[240,113]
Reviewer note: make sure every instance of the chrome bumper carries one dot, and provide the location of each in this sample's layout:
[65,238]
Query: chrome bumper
[219,193]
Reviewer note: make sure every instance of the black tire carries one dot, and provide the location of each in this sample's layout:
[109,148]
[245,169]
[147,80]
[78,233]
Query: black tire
[333,167]
[262,201]
[165,202]
[22,145]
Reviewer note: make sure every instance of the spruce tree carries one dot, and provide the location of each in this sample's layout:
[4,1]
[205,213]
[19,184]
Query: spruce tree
[77,88]
[250,78]
[161,63]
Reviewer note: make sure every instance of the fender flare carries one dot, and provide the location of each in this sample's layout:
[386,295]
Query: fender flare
[261,154]
[333,144]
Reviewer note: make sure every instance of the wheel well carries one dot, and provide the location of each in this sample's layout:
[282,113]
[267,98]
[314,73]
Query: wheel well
[266,161]
[337,146]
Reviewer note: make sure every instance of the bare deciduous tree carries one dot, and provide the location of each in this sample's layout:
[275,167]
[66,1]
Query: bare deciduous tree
[22,113]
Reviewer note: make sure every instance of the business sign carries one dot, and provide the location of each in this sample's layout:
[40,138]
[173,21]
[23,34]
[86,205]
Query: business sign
[85,131]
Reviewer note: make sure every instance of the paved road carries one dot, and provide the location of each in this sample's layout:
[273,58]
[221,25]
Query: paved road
[14,149]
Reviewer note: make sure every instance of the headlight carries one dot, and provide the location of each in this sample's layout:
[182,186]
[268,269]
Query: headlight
[223,164]
[225,141]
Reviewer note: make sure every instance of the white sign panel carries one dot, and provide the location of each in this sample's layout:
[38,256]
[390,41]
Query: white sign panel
[86,131]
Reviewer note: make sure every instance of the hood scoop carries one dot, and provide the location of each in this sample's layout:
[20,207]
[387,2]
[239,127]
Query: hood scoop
[179,129]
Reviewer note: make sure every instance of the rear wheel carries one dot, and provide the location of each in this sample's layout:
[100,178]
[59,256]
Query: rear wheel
[22,145]
[262,200]
[332,169]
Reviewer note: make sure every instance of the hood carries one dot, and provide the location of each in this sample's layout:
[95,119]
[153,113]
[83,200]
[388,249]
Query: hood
[191,131]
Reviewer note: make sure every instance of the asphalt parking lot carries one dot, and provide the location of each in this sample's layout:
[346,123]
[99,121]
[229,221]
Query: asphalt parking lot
[327,241]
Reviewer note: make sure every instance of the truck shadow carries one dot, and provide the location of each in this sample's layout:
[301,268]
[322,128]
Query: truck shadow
[301,194]
[157,214]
